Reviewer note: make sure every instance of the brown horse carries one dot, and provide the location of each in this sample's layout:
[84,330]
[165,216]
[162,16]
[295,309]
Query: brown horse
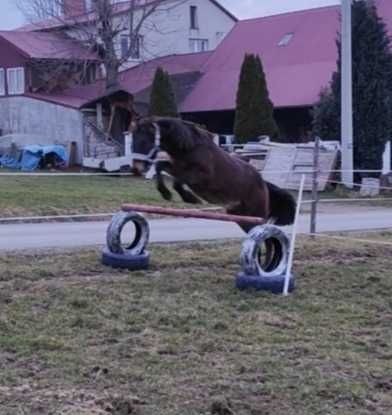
[209,172]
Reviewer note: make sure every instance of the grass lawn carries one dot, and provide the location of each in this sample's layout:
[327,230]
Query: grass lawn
[35,196]
[61,195]
[77,338]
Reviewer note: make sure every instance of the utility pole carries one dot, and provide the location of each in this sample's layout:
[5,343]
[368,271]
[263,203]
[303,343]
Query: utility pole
[347,97]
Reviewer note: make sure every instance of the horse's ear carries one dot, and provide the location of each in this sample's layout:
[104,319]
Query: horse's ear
[176,134]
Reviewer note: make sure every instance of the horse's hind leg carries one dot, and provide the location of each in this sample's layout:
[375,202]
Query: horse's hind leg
[161,186]
[186,195]
[239,209]
[256,205]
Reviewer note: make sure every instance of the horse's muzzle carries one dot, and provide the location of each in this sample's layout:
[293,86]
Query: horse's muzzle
[139,167]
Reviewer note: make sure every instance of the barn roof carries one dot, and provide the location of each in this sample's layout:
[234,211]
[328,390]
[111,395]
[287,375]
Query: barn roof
[133,80]
[42,45]
[298,51]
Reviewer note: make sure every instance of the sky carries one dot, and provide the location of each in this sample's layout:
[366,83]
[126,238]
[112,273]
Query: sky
[10,16]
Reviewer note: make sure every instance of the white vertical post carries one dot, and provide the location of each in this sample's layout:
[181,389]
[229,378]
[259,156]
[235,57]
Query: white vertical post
[99,115]
[386,159]
[293,238]
[128,144]
[347,97]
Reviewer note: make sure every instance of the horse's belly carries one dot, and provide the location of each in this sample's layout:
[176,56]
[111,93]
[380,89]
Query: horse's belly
[212,195]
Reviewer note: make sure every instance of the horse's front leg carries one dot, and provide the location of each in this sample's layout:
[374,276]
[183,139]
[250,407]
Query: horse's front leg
[186,195]
[161,186]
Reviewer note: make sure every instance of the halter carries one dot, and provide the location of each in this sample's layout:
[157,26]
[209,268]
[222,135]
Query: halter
[157,144]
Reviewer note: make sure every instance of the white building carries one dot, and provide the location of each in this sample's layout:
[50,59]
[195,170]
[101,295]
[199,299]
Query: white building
[30,109]
[176,27]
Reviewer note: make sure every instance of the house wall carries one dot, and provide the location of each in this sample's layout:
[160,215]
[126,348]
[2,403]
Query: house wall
[168,31]
[174,29]
[54,124]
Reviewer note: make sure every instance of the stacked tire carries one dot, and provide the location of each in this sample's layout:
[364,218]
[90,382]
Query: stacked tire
[133,257]
[270,274]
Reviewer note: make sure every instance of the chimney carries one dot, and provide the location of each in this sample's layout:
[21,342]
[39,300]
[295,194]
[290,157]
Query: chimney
[74,7]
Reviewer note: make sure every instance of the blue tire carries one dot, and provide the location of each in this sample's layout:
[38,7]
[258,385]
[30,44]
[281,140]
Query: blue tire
[274,284]
[126,261]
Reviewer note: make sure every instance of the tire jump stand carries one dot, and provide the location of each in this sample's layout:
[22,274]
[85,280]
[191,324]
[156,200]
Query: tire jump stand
[266,272]
[264,255]
[133,257]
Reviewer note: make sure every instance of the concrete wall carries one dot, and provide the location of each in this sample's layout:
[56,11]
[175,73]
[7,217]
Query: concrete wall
[53,124]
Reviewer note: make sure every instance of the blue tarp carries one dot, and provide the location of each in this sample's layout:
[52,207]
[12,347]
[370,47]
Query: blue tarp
[32,155]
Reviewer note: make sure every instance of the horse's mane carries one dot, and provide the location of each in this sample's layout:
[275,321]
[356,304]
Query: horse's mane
[184,134]
[201,132]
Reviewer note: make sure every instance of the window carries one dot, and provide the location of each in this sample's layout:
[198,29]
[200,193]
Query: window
[91,3]
[135,52]
[286,39]
[137,46]
[2,81]
[194,20]
[124,46]
[16,81]
[198,45]
[220,36]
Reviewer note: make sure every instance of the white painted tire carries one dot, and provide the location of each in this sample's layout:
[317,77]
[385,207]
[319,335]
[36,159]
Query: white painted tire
[277,251]
[142,236]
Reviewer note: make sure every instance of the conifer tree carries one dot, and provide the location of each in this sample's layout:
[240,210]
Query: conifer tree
[254,110]
[372,90]
[163,100]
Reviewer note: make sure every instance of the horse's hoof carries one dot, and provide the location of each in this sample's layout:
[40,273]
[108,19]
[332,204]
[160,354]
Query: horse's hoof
[192,199]
[167,196]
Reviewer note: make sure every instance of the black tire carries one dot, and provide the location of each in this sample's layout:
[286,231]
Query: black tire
[274,285]
[126,261]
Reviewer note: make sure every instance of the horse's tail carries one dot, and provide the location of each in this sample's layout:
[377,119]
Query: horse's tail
[282,205]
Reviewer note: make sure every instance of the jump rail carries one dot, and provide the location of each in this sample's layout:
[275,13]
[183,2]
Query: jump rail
[193,213]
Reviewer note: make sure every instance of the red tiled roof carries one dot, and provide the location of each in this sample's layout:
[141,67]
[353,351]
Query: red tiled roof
[132,80]
[37,45]
[140,77]
[295,73]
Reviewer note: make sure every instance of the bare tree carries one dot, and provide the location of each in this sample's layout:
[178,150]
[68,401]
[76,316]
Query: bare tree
[101,28]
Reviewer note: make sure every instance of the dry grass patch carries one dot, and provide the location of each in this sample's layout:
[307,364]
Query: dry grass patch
[78,338]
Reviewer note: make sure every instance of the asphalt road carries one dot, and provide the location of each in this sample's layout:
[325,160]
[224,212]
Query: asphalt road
[81,234]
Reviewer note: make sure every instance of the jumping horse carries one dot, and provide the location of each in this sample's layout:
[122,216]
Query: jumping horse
[201,170]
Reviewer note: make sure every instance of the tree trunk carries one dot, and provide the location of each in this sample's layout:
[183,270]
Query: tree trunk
[112,68]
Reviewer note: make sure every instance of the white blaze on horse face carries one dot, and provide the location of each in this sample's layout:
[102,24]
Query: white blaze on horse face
[157,135]
[142,161]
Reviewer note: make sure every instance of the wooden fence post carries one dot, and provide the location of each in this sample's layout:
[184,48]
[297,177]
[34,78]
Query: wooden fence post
[315,184]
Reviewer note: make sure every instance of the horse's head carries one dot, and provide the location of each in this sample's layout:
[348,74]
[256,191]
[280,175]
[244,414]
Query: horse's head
[171,135]
[145,143]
